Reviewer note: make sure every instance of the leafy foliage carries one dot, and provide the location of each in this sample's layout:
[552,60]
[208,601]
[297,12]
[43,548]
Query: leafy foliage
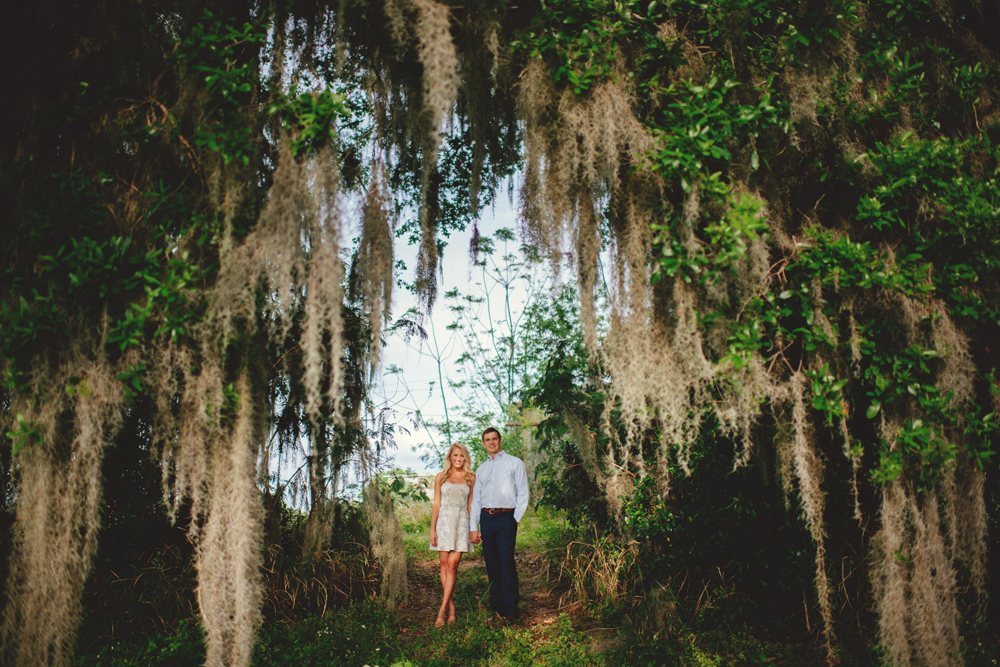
[796,203]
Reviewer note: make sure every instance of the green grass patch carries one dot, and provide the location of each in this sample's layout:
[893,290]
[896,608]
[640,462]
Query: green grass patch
[474,643]
[363,633]
[559,645]
[712,649]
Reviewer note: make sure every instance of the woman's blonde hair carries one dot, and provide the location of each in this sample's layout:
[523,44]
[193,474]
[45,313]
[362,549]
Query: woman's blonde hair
[466,470]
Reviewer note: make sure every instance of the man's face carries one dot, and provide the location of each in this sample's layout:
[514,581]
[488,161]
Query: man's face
[491,441]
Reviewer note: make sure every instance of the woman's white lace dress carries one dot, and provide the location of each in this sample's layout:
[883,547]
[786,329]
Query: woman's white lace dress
[453,519]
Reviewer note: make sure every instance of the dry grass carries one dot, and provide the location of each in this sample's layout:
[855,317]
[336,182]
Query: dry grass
[602,571]
[316,585]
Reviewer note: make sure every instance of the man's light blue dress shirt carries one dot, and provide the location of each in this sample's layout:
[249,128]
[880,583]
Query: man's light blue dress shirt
[500,482]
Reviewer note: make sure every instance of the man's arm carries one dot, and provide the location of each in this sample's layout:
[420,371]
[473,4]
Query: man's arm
[521,488]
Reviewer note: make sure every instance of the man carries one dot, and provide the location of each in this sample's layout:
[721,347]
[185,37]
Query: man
[499,500]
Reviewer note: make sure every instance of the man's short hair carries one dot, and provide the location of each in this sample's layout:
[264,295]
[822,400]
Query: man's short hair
[492,430]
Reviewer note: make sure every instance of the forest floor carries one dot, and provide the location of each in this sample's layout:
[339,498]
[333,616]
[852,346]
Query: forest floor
[547,632]
[554,629]
[615,626]
[417,615]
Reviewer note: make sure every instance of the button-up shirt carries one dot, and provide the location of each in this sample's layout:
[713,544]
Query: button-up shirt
[501,481]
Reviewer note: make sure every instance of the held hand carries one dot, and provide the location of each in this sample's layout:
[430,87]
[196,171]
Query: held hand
[475,536]
[434,538]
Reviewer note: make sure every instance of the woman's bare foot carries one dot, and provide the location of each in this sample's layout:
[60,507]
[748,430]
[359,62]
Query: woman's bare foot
[451,612]
[440,620]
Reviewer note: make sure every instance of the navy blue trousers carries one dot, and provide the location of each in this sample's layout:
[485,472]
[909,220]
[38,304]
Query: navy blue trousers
[499,533]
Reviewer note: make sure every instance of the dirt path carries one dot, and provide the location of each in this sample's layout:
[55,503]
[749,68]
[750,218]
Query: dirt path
[539,606]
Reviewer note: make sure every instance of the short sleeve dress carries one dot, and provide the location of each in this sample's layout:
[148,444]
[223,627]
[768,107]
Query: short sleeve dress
[453,519]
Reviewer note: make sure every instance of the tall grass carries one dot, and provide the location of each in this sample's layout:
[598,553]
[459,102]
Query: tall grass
[658,620]
[603,572]
[295,587]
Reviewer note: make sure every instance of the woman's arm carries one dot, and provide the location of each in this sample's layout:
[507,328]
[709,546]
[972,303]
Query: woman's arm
[472,488]
[476,503]
[436,508]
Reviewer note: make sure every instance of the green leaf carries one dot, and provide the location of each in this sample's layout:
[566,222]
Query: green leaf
[873,409]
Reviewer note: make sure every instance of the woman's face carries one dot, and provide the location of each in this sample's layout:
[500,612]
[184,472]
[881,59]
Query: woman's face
[457,459]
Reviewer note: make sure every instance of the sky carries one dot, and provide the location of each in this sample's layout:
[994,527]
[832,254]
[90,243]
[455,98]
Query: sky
[419,388]
[416,386]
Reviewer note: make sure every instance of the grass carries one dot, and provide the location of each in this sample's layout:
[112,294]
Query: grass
[594,573]
[472,642]
[475,643]
[363,633]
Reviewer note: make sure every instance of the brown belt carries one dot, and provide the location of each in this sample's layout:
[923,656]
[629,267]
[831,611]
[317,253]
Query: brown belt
[497,510]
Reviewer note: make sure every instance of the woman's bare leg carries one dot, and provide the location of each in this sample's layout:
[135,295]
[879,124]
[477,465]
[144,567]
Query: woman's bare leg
[449,573]
[443,556]
[454,558]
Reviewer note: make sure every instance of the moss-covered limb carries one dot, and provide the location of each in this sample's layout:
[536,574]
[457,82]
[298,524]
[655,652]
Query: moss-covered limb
[798,202]
[158,234]
[841,125]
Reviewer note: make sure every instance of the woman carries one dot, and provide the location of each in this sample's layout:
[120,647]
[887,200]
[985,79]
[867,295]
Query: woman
[450,522]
